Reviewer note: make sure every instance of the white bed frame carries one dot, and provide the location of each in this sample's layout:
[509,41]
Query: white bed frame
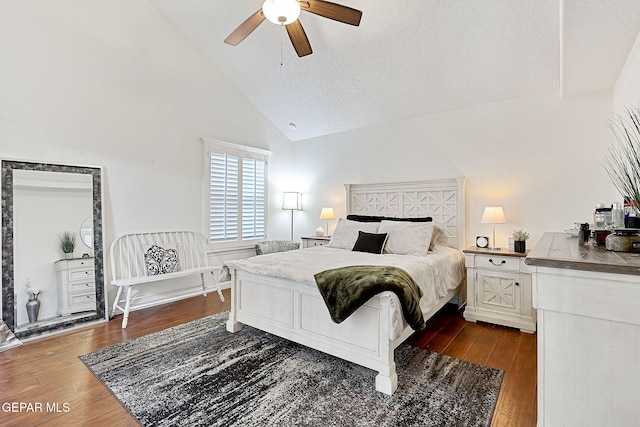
[297,312]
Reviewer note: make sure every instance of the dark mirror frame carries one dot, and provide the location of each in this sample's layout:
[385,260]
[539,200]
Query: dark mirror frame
[8,285]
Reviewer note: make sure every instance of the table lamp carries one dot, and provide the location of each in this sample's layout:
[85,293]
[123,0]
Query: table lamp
[493,215]
[327,214]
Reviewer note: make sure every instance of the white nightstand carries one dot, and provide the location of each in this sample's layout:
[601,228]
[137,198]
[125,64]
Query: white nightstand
[311,241]
[499,288]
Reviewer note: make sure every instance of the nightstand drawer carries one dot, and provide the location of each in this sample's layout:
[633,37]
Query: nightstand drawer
[496,262]
[309,242]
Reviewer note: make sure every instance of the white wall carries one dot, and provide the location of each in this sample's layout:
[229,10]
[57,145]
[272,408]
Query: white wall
[627,89]
[112,83]
[536,156]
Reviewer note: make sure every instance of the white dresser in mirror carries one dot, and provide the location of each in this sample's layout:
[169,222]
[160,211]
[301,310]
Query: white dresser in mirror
[76,285]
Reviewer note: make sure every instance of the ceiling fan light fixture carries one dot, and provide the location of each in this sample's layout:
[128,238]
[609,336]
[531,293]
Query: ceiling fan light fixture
[281,12]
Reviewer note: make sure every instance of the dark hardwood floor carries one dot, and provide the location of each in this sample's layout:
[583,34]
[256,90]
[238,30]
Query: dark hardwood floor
[48,371]
[498,347]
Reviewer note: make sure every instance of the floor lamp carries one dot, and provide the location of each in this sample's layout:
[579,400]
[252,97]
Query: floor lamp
[292,201]
[493,215]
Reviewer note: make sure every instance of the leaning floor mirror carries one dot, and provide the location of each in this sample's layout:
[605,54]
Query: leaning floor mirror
[52,247]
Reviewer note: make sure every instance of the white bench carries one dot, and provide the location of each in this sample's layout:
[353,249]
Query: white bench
[129,269]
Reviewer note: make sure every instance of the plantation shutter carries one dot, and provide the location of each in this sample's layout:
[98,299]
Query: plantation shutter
[223,208]
[253,199]
[237,193]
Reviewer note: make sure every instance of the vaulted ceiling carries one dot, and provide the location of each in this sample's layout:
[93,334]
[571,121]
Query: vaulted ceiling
[411,58]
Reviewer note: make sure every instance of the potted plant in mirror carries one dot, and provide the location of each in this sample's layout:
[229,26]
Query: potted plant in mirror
[68,244]
[520,238]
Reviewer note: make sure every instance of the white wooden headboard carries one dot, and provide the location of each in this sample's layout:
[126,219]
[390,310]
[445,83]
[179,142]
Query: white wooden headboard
[443,200]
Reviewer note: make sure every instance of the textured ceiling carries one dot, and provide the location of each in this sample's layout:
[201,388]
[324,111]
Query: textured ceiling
[410,58]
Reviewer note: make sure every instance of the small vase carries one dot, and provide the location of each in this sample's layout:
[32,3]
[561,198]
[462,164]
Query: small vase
[33,308]
[68,255]
[520,246]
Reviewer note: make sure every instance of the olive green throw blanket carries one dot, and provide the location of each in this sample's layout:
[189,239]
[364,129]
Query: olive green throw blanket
[345,289]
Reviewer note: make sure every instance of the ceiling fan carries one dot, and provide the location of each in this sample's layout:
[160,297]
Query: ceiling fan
[286,12]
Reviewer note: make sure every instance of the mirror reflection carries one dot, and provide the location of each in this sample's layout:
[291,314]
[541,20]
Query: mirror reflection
[86,232]
[52,275]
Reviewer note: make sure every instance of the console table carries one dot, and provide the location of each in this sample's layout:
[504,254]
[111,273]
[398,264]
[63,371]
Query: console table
[588,306]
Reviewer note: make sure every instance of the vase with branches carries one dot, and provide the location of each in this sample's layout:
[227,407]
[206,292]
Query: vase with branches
[622,162]
[33,305]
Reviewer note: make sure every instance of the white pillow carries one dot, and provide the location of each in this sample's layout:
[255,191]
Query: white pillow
[437,232]
[407,238]
[346,233]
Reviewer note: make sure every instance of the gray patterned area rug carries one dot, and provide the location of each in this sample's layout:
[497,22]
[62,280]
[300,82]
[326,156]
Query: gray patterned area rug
[198,374]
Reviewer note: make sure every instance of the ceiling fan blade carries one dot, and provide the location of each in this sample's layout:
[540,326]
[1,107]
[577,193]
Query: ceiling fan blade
[333,11]
[299,38]
[244,29]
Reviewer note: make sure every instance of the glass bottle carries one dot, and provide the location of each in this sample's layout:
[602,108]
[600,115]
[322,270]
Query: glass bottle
[617,215]
[600,216]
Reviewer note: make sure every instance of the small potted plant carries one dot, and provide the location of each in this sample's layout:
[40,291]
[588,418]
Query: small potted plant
[68,244]
[520,238]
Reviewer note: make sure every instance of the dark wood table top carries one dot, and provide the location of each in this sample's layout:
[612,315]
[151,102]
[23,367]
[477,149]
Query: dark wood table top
[559,250]
[500,252]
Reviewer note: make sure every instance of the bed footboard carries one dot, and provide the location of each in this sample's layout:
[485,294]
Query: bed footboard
[296,311]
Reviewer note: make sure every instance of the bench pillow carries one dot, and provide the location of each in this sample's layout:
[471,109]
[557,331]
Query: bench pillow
[161,260]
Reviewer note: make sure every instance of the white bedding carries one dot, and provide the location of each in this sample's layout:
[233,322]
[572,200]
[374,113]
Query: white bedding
[436,274]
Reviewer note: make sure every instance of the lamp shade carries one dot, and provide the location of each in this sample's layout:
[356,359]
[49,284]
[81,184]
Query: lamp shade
[281,12]
[327,213]
[292,200]
[493,215]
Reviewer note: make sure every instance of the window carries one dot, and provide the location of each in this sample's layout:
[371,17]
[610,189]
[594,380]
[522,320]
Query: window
[237,192]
